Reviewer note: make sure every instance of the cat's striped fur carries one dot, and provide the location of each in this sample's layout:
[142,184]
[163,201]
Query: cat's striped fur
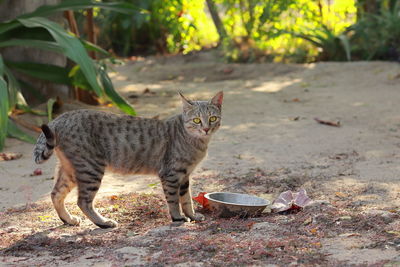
[88,142]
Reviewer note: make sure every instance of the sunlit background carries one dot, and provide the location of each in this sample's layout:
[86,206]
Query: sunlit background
[257,30]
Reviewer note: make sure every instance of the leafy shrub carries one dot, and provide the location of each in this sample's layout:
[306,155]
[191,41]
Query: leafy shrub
[377,35]
[159,27]
[33,30]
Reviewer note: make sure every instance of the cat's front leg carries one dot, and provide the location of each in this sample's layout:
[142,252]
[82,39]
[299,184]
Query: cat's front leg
[185,198]
[171,185]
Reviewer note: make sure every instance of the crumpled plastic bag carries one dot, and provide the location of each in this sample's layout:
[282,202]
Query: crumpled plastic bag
[202,200]
[289,200]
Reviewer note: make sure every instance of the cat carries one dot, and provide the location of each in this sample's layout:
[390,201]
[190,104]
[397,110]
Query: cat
[88,142]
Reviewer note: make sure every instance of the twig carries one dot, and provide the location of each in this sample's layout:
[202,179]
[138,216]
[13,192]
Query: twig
[329,123]
[69,15]
[90,31]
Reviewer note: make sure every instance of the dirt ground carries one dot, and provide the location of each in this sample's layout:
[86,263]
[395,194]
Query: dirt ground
[269,142]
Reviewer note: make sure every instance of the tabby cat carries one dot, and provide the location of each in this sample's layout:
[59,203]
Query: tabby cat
[88,142]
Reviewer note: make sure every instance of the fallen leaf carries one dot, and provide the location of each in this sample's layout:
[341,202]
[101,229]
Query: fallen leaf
[133,96]
[394,232]
[349,234]
[147,91]
[340,194]
[114,197]
[37,172]
[132,233]
[329,123]
[308,221]
[227,70]
[9,156]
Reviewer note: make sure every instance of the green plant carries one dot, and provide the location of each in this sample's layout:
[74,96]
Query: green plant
[332,47]
[377,35]
[48,35]
[250,24]
[160,27]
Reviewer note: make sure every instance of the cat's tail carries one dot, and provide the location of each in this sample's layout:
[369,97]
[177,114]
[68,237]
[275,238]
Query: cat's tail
[44,146]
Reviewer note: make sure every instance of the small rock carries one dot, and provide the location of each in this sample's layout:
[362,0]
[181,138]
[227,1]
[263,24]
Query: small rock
[133,255]
[387,216]
[318,205]
[192,264]
[264,226]
[345,218]
[165,231]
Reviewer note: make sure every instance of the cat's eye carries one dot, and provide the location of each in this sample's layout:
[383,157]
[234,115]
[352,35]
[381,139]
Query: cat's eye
[197,120]
[213,118]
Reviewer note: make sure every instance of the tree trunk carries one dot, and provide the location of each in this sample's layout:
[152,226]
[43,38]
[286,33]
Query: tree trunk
[11,9]
[217,20]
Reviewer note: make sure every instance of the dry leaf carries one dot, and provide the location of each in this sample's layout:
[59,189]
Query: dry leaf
[349,234]
[9,156]
[37,172]
[329,123]
[340,194]
[114,197]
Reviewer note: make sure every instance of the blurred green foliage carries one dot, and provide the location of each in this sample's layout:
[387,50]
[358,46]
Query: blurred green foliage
[263,30]
[376,35]
[159,27]
[258,30]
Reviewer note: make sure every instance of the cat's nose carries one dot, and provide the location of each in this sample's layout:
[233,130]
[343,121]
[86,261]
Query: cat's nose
[206,129]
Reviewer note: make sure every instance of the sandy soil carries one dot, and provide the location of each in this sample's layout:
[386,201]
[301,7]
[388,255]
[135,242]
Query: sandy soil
[269,143]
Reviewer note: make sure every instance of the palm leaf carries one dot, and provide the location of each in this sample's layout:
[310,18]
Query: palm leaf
[50,104]
[14,131]
[113,95]
[34,91]
[41,71]
[46,45]
[13,89]
[31,110]
[3,105]
[72,47]
[92,47]
[346,46]
[121,7]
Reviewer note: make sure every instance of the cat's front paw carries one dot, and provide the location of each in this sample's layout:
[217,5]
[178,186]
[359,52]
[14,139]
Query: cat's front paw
[197,217]
[107,224]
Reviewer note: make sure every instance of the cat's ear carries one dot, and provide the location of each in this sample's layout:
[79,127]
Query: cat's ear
[217,99]
[187,104]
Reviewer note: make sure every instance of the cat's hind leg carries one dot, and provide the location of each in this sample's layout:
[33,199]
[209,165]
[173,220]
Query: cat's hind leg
[89,178]
[64,184]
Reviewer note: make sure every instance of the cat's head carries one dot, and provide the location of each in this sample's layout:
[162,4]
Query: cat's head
[202,118]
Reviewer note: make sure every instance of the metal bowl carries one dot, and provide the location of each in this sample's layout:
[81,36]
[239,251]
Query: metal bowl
[225,204]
